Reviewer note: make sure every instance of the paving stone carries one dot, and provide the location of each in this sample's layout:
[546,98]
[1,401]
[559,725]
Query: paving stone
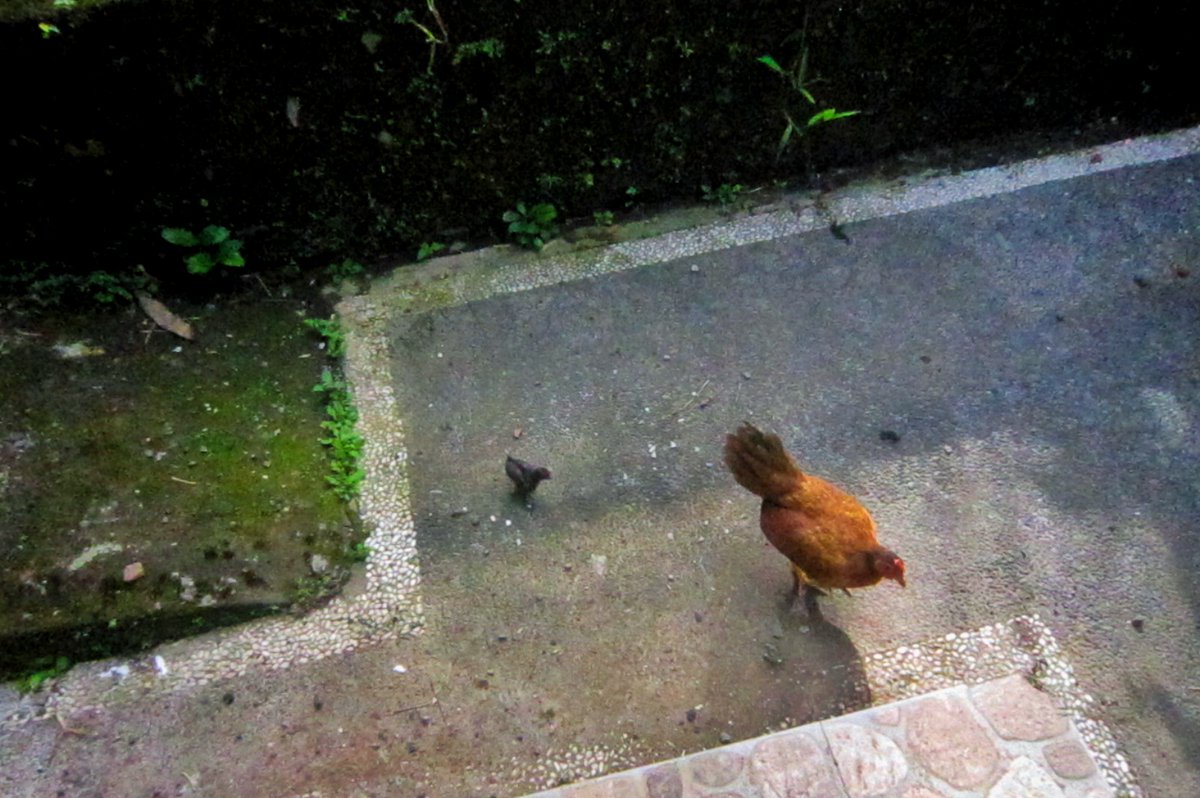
[1069,759]
[921,791]
[663,781]
[716,769]
[869,762]
[1019,711]
[950,743]
[792,766]
[887,716]
[1025,779]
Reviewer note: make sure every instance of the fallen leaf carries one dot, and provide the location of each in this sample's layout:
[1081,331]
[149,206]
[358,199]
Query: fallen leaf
[163,317]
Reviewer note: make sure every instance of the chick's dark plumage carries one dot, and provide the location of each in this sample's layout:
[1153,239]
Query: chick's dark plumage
[525,476]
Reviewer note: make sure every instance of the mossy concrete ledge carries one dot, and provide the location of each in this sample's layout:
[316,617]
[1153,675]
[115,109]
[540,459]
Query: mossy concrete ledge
[382,605]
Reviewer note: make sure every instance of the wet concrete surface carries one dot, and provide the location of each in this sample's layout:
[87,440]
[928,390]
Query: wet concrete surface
[1009,383]
[1034,353]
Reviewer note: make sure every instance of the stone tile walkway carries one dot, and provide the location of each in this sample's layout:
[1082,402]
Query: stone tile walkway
[1000,739]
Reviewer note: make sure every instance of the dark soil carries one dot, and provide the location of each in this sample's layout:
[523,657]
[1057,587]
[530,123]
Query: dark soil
[318,131]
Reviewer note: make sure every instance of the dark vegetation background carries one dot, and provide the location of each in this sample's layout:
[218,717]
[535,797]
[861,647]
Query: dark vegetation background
[141,115]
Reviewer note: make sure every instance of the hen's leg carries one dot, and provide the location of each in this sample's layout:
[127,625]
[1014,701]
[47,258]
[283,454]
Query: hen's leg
[810,602]
[803,591]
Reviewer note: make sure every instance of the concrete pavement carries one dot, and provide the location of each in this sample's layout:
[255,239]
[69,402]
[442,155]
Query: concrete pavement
[1001,364]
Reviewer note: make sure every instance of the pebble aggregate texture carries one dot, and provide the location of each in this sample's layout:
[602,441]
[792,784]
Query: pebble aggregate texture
[1017,755]
[1000,739]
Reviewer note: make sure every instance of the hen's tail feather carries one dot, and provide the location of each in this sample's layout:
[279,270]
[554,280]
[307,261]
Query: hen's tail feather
[760,464]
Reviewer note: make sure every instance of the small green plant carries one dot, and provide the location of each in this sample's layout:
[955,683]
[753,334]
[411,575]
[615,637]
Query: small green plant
[344,442]
[312,591]
[428,249]
[724,194]
[492,48]
[345,270]
[435,40]
[212,247]
[47,668]
[39,282]
[331,331]
[549,183]
[797,78]
[604,218]
[532,227]
[359,552]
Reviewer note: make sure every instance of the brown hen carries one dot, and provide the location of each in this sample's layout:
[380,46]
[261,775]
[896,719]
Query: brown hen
[826,533]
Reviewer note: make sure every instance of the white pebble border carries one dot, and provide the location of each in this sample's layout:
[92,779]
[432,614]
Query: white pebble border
[390,604]
[575,762]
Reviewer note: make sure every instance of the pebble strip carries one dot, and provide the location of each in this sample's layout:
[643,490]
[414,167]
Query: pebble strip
[390,604]
[576,763]
[1017,735]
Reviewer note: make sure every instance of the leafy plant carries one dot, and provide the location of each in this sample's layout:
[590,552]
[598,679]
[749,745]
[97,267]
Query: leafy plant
[212,247]
[346,269]
[724,194]
[797,78]
[433,39]
[48,668]
[359,552]
[604,218]
[532,227]
[344,443]
[331,331]
[492,48]
[312,591]
[428,249]
[39,283]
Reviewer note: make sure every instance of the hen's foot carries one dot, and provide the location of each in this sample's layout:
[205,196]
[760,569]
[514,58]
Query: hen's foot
[808,598]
